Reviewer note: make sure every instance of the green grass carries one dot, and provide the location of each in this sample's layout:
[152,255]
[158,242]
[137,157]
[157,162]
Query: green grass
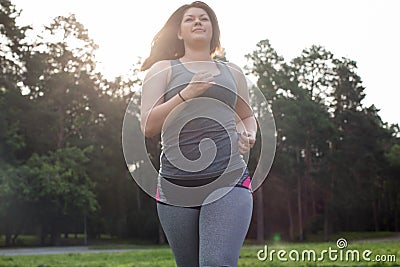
[162,256]
[348,236]
[152,257]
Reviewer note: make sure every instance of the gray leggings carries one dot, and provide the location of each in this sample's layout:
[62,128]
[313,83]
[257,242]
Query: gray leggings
[211,235]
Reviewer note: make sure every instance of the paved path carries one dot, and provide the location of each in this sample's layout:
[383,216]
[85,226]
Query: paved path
[56,250]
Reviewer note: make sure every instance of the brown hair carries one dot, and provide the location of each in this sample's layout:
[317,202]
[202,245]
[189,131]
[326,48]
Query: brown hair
[166,44]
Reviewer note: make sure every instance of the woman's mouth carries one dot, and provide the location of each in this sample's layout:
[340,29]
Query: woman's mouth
[198,30]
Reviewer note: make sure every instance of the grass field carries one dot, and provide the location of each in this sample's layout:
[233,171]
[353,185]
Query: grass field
[162,256]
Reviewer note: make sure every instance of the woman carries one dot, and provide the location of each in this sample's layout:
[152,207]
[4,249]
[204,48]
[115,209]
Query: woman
[190,98]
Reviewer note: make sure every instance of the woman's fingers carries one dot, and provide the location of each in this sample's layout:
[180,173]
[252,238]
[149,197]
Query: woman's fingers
[242,149]
[200,82]
[202,77]
[246,142]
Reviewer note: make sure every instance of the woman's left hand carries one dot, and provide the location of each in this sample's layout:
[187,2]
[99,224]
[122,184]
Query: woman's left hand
[246,141]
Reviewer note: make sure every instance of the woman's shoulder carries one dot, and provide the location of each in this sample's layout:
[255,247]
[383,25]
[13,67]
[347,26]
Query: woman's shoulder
[235,70]
[236,73]
[160,67]
[233,67]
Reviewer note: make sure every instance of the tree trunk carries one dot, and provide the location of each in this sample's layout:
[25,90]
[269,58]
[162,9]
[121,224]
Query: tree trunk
[85,234]
[396,219]
[299,198]
[314,203]
[307,185]
[260,215]
[327,202]
[61,126]
[138,199]
[42,235]
[161,235]
[300,208]
[375,215]
[8,239]
[290,216]
[55,238]
[326,221]
[14,239]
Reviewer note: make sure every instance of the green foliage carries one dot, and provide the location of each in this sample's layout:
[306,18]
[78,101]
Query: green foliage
[63,85]
[11,46]
[12,139]
[267,65]
[60,180]
[393,156]
[47,190]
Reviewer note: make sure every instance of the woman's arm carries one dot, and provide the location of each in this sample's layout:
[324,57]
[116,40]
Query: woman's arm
[245,121]
[154,110]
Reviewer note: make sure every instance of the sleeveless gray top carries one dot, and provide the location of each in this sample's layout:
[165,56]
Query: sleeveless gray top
[199,138]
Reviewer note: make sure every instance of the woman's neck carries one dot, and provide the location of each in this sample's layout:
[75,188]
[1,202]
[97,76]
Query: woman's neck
[196,55]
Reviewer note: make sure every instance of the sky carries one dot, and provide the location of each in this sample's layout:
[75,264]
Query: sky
[365,31]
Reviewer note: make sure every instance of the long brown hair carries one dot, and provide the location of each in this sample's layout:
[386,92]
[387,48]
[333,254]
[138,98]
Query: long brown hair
[166,44]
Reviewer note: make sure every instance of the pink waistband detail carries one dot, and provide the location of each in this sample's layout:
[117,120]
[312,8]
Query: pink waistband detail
[157,195]
[247,182]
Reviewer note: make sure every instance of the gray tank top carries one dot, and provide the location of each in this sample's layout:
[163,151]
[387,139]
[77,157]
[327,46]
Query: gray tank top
[199,138]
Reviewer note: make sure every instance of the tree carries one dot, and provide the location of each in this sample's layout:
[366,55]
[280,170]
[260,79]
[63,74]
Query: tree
[58,189]
[12,140]
[12,52]
[62,82]
[265,63]
[393,158]
[15,211]
[12,48]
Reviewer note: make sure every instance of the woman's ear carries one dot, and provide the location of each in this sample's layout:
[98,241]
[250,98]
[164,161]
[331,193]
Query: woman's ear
[179,35]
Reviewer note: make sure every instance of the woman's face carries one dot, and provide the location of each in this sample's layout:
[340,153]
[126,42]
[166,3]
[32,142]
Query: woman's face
[196,25]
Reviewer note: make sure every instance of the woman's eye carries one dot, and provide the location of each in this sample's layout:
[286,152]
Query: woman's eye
[204,19]
[188,20]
